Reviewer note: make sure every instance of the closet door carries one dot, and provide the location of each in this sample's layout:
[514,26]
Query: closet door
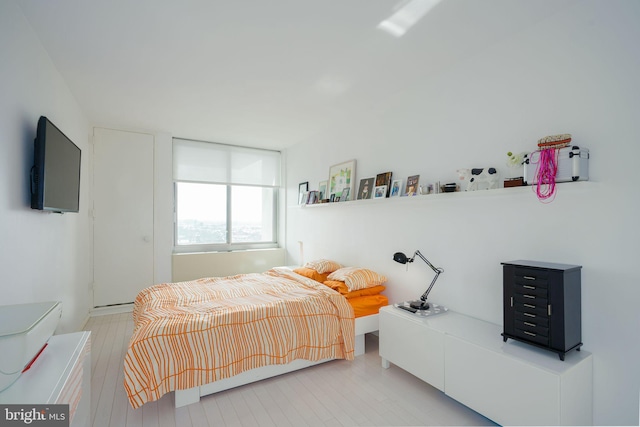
[123,215]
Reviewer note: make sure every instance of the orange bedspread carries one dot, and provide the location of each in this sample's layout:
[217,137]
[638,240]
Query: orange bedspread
[192,333]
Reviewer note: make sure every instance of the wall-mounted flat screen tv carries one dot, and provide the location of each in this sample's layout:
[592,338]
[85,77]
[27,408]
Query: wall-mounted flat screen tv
[55,175]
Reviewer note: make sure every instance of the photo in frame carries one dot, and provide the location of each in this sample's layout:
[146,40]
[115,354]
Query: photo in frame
[365,191]
[412,185]
[341,176]
[322,189]
[384,179]
[396,188]
[303,187]
[380,192]
[345,194]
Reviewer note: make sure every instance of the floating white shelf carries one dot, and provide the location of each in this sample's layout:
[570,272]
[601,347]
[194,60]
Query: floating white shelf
[528,190]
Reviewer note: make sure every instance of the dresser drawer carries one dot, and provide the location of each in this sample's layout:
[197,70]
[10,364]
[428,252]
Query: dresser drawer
[531,274]
[528,308]
[525,325]
[531,281]
[532,318]
[532,336]
[530,301]
[530,289]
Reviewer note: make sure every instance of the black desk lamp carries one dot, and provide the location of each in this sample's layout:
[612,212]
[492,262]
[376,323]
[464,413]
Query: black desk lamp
[422,303]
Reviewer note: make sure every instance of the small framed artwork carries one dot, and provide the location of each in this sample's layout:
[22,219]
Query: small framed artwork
[396,188]
[313,197]
[380,192]
[384,179]
[365,190]
[412,185]
[303,187]
[345,194]
[322,190]
[341,176]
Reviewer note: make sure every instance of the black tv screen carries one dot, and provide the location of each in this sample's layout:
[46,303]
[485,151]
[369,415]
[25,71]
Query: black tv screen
[55,176]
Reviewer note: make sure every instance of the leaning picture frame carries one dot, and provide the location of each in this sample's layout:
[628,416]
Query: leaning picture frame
[412,185]
[345,194]
[303,187]
[365,191]
[396,188]
[380,192]
[341,176]
[384,179]
[322,188]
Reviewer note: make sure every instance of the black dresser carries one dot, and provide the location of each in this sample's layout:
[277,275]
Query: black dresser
[542,305]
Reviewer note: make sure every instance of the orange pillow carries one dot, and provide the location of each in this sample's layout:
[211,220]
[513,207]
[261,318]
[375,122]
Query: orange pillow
[311,274]
[323,265]
[357,278]
[337,286]
[342,288]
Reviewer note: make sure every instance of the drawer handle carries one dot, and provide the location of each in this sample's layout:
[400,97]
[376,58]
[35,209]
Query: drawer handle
[529,314]
[528,287]
[529,333]
[529,277]
[530,324]
[529,296]
[529,306]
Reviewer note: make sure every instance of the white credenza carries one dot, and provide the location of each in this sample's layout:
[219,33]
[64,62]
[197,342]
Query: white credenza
[60,375]
[510,383]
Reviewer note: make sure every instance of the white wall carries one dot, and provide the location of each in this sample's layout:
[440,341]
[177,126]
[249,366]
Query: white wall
[44,256]
[574,72]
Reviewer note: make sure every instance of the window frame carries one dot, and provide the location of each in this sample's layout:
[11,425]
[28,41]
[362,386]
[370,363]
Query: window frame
[229,246]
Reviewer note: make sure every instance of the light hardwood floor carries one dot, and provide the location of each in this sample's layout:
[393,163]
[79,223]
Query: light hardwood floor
[336,393]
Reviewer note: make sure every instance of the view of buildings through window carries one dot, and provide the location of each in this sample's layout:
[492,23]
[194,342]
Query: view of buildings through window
[203,217]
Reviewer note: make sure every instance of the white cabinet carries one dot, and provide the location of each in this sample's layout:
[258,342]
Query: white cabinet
[510,383]
[412,347]
[60,375]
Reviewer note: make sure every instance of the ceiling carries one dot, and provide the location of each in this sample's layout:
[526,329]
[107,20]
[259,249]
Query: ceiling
[260,73]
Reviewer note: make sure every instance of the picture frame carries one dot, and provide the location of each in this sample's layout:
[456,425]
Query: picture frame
[384,179]
[396,188]
[411,188]
[322,190]
[303,187]
[341,176]
[312,197]
[365,190]
[380,192]
[345,194]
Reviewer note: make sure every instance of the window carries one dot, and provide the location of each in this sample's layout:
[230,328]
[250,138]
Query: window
[226,197]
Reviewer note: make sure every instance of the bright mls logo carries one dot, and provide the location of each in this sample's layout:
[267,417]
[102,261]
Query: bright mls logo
[34,415]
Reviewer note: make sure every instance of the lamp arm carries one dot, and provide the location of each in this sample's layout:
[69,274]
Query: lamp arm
[424,296]
[435,269]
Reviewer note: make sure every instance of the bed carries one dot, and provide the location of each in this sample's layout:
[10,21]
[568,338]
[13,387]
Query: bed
[204,336]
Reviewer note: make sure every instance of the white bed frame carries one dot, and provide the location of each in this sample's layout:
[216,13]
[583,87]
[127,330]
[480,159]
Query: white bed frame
[364,325]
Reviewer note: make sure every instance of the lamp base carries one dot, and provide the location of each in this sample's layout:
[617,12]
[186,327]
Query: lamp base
[411,306]
[419,305]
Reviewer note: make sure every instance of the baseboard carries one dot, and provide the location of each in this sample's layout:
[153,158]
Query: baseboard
[112,309]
